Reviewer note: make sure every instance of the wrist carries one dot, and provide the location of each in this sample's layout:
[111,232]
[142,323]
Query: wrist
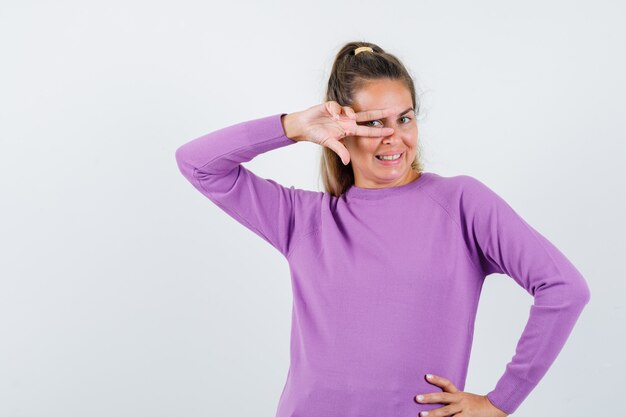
[291,126]
[502,412]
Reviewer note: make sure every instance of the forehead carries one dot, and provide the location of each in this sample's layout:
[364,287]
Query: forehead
[380,94]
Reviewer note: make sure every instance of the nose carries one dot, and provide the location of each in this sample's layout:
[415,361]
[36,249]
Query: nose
[393,138]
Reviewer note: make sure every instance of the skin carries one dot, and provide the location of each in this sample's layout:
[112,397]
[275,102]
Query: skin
[458,403]
[368,171]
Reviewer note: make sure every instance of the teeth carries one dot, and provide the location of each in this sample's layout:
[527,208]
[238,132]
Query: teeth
[388,158]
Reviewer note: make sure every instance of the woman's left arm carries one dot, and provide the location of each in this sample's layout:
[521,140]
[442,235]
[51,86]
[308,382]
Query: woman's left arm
[503,242]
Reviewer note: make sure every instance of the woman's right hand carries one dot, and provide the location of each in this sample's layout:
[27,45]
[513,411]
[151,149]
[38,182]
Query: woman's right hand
[328,123]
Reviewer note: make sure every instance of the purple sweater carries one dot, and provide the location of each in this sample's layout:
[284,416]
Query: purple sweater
[386,282]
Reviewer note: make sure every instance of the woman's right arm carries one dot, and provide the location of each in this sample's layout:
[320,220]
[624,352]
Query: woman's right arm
[212,163]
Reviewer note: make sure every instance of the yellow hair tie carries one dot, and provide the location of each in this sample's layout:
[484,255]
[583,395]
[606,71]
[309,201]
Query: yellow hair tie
[362,48]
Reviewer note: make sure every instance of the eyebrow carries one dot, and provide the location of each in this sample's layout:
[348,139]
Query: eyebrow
[401,114]
[406,111]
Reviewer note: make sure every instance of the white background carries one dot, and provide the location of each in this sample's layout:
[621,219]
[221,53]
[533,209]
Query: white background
[125,292]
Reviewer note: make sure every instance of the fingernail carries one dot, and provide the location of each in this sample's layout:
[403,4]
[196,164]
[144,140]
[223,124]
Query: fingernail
[429,376]
[424,413]
[420,397]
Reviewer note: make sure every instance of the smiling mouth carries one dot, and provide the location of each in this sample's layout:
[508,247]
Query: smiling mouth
[389,157]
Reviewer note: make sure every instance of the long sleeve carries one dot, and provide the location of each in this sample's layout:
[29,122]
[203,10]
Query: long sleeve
[212,163]
[505,243]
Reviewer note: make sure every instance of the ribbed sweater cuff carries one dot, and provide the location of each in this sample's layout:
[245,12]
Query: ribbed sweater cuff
[270,127]
[510,392]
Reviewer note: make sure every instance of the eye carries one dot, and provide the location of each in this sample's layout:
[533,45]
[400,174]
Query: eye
[404,117]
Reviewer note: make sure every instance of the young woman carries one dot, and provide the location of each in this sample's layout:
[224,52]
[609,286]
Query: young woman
[387,264]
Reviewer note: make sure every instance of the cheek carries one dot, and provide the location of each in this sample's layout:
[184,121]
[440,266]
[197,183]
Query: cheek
[362,147]
[411,141]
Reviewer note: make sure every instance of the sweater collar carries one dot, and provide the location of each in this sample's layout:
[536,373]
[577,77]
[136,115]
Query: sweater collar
[377,193]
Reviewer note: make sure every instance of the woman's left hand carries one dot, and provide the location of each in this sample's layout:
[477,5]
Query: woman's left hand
[459,403]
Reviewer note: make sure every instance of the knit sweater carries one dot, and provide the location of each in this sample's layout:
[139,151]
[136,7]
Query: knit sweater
[386,281]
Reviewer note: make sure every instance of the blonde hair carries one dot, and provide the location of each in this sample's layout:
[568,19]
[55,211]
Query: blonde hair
[355,65]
